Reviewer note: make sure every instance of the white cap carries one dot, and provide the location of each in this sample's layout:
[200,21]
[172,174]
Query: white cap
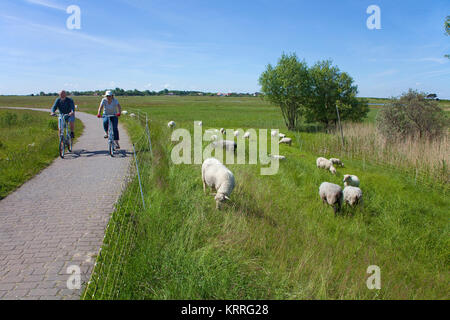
[108,93]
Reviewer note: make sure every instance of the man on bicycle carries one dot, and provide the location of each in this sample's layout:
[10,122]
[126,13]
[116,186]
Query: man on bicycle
[65,105]
[111,108]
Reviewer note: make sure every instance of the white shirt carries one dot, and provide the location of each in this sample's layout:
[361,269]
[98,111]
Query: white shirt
[110,109]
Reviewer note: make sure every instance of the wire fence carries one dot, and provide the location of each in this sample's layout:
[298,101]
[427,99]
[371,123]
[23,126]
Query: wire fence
[106,279]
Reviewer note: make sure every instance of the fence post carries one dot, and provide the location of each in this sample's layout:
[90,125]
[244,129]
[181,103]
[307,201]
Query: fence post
[139,176]
[147,129]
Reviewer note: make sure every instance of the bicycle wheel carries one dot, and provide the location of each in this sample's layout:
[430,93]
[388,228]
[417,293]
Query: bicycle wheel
[62,147]
[111,148]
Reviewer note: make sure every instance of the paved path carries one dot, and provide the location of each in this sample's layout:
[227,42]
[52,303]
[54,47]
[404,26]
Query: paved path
[58,218]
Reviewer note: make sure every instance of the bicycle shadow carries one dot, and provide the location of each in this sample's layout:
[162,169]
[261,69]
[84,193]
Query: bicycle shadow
[89,154]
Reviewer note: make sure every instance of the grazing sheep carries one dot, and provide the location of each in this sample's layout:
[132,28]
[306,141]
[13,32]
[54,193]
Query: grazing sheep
[282,135]
[352,195]
[171,124]
[286,141]
[276,156]
[236,133]
[273,133]
[226,144]
[350,180]
[326,164]
[132,115]
[124,112]
[247,135]
[331,194]
[337,162]
[218,177]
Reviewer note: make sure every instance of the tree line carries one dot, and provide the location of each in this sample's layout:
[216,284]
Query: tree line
[135,92]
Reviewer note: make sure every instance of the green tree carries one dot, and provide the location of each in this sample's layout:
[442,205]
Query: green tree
[331,88]
[288,86]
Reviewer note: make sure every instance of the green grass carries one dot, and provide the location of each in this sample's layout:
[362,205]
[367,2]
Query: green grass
[275,239]
[28,143]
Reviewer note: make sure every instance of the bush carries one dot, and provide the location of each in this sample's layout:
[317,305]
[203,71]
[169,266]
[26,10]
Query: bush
[53,124]
[413,116]
[8,119]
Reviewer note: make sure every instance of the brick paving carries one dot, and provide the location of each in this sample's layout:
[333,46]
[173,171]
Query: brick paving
[58,218]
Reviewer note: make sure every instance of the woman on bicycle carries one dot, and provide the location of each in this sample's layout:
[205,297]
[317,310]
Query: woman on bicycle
[111,108]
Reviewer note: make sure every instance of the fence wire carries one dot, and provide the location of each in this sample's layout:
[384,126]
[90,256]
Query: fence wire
[106,281]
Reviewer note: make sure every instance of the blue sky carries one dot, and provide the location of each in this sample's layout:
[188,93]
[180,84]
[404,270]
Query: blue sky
[219,45]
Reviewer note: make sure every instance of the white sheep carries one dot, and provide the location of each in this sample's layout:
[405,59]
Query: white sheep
[352,195]
[282,135]
[337,162]
[247,135]
[124,112]
[286,141]
[236,133]
[331,194]
[226,144]
[351,180]
[132,115]
[326,164]
[216,176]
[171,124]
[276,156]
[273,133]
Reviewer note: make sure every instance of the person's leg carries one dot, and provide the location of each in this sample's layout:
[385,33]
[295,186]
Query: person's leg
[72,127]
[105,126]
[115,123]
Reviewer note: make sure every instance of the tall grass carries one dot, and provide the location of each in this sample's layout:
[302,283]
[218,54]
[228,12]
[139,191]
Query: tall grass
[28,143]
[426,161]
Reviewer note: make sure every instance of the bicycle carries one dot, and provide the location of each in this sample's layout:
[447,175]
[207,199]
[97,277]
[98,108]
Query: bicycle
[111,144]
[65,140]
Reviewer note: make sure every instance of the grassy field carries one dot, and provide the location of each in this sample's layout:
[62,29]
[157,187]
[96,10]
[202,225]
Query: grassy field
[275,239]
[28,143]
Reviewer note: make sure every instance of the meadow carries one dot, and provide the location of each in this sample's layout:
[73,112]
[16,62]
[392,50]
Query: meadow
[28,143]
[275,239]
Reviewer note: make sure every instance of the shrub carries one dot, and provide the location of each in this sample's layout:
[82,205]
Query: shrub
[53,124]
[411,115]
[8,119]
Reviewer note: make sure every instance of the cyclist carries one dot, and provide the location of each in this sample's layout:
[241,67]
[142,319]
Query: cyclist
[111,108]
[65,105]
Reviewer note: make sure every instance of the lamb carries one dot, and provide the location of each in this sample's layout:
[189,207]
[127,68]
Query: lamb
[226,144]
[218,177]
[331,194]
[276,156]
[350,180]
[286,141]
[132,115]
[337,162]
[326,164]
[124,112]
[171,124]
[247,135]
[352,195]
